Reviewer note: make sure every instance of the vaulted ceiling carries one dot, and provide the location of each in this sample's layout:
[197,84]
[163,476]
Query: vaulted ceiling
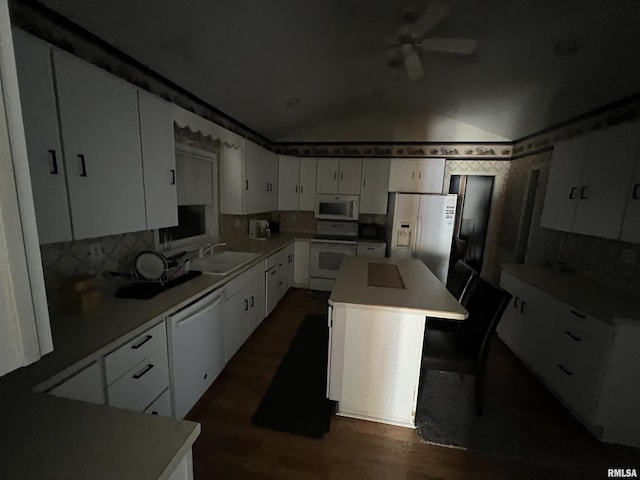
[321,69]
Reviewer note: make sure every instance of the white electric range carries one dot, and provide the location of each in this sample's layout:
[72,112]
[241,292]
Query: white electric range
[333,241]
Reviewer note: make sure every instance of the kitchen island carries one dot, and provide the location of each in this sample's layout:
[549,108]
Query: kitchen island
[377,313]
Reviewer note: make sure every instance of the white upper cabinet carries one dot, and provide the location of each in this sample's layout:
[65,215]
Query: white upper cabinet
[631,224]
[307,184]
[101,138]
[339,176]
[288,183]
[233,186]
[327,175]
[563,188]
[261,178]
[158,161]
[610,162]
[248,180]
[296,183]
[375,185]
[417,176]
[46,165]
[590,183]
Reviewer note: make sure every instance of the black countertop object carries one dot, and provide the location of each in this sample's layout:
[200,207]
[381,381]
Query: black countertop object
[146,290]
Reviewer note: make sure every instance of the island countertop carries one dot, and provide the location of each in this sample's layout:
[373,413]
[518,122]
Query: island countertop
[423,292]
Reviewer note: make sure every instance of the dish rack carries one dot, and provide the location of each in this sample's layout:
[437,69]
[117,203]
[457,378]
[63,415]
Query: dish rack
[170,273]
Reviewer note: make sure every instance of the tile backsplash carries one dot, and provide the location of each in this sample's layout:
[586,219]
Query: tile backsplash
[601,260]
[65,259]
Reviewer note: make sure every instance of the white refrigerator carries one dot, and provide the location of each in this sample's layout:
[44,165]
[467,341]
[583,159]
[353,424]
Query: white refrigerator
[421,227]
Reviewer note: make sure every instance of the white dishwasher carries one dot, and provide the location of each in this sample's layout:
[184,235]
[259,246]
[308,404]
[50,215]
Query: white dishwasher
[196,338]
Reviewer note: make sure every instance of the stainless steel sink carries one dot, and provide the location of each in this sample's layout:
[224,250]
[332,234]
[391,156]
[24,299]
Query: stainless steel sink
[223,262]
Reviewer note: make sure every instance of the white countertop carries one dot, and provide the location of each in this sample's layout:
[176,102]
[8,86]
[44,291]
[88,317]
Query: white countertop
[423,294]
[45,437]
[598,300]
[48,437]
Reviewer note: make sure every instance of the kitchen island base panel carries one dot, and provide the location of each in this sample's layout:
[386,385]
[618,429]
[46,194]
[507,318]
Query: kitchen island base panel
[375,363]
[376,419]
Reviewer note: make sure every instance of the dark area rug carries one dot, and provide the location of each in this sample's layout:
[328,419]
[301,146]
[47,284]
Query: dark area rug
[295,401]
[446,416]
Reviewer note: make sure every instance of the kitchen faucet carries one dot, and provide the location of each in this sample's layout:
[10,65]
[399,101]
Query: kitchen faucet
[209,248]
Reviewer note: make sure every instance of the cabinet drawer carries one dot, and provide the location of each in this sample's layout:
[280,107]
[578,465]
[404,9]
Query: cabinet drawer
[270,262]
[161,406]
[371,249]
[138,388]
[584,325]
[578,352]
[577,392]
[124,358]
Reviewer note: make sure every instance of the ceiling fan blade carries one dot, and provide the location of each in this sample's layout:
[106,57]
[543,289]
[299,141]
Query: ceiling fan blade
[412,62]
[432,15]
[449,45]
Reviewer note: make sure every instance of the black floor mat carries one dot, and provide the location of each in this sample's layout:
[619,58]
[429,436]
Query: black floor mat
[296,401]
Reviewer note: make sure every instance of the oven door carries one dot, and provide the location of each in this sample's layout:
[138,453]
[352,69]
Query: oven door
[337,207]
[326,258]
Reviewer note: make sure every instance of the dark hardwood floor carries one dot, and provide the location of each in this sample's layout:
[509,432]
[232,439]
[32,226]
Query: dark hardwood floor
[230,447]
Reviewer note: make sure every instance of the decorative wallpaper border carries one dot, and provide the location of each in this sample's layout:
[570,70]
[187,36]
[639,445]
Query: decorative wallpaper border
[460,151]
[623,111]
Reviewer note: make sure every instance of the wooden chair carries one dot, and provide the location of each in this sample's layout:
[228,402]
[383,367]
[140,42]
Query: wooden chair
[465,351]
[459,283]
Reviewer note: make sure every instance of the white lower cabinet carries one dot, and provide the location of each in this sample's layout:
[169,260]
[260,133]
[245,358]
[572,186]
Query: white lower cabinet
[279,271]
[236,327]
[86,385]
[586,362]
[256,296]
[301,264]
[371,249]
[142,384]
[161,406]
[272,279]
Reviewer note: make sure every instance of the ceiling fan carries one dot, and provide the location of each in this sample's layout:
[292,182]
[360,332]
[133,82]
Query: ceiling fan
[410,38]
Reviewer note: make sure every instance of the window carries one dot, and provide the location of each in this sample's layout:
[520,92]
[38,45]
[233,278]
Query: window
[196,182]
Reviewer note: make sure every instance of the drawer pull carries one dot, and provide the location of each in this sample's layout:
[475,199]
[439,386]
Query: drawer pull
[138,345]
[246,305]
[577,339]
[635,191]
[522,304]
[572,192]
[579,315]
[280,283]
[143,372]
[370,248]
[565,369]
[253,301]
[515,302]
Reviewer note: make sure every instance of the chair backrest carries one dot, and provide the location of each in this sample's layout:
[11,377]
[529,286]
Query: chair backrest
[486,305]
[459,280]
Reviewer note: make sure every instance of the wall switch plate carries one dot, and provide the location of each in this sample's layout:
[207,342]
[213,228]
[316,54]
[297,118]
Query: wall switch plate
[629,255]
[95,252]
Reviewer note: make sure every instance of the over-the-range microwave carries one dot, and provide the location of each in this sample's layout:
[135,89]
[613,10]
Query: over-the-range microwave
[337,207]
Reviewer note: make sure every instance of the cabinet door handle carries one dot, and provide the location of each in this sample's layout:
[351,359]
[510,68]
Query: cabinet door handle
[635,191]
[577,339]
[579,315]
[522,304]
[296,188]
[273,272]
[420,174]
[246,305]
[364,182]
[253,301]
[583,193]
[173,176]
[341,176]
[271,187]
[413,175]
[515,302]
[83,165]
[565,369]
[572,192]
[335,175]
[145,340]
[54,162]
[143,372]
[246,184]
[266,186]
[281,282]
[300,188]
